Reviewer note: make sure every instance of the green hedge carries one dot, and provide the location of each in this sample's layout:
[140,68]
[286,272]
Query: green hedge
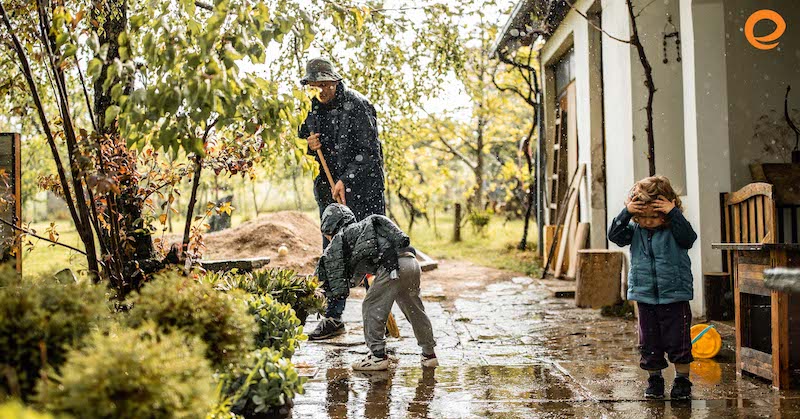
[196,308]
[43,319]
[132,373]
[16,410]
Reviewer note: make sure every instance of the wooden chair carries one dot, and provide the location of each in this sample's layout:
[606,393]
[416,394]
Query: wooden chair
[748,216]
[751,216]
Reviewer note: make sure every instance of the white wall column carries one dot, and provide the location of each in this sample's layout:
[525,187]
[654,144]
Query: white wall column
[706,132]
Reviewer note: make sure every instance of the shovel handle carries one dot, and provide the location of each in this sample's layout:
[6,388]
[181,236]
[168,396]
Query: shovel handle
[327,171]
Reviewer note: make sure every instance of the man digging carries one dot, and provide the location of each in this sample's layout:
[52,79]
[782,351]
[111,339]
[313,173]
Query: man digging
[342,134]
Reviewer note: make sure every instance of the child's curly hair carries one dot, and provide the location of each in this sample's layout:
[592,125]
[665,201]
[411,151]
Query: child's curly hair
[649,189]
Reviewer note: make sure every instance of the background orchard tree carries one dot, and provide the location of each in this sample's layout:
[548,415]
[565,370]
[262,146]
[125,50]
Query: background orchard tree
[134,97]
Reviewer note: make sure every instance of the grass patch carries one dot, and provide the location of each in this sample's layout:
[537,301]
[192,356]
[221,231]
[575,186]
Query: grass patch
[496,246]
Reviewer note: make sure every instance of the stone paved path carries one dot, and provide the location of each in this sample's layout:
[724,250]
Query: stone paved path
[509,349]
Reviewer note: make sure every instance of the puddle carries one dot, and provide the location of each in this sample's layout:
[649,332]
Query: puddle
[511,350]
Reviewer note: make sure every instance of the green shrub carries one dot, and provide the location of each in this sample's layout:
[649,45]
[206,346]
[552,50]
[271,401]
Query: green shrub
[42,320]
[15,410]
[132,373]
[301,292]
[278,327]
[480,221]
[269,385]
[196,308]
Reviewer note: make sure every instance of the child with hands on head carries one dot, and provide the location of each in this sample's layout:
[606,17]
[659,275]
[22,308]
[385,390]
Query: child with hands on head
[659,280]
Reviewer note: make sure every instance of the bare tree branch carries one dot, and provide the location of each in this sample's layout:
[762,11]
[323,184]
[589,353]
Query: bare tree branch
[31,233]
[594,25]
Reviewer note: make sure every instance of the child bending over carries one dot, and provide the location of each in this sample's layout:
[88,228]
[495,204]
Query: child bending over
[377,246]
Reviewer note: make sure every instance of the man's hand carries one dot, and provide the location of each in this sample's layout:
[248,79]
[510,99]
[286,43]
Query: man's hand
[663,205]
[313,141]
[338,193]
[634,207]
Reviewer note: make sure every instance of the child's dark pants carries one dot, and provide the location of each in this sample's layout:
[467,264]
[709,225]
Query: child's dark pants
[664,328]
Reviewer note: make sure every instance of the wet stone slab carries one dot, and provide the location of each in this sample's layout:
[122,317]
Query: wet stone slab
[513,350]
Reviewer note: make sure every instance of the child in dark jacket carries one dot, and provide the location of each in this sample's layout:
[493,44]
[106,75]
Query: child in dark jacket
[375,245]
[660,280]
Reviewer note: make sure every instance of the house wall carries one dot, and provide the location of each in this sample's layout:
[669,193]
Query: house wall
[575,32]
[668,99]
[757,81]
[706,132]
[618,101]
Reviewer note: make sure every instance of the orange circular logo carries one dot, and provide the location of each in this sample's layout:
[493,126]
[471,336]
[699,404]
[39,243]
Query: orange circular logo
[764,42]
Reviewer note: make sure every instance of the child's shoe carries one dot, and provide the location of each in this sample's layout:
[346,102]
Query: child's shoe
[326,329]
[655,387]
[429,361]
[372,363]
[681,389]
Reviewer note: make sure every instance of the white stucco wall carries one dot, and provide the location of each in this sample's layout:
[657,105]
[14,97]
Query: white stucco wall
[668,99]
[706,132]
[618,104]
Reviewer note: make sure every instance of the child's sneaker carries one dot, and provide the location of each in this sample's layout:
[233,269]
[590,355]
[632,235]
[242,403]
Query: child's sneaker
[681,389]
[655,387]
[326,329]
[372,363]
[429,361]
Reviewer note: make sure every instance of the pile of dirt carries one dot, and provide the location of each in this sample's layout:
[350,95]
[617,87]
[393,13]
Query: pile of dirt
[264,235]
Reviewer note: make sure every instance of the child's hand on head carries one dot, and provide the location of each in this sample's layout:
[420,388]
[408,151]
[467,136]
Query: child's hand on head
[634,207]
[663,205]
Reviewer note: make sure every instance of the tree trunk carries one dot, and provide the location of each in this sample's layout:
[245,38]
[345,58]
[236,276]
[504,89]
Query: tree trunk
[479,164]
[457,224]
[192,201]
[523,243]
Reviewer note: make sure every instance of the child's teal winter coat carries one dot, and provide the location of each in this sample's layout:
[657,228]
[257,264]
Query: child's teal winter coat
[661,271]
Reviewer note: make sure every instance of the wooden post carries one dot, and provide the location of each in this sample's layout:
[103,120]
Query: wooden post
[457,224]
[11,211]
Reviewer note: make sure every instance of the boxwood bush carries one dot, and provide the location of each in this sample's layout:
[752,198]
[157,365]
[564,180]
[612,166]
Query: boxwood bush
[16,410]
[196,308]
[278,327]
[40,320]
[132,373]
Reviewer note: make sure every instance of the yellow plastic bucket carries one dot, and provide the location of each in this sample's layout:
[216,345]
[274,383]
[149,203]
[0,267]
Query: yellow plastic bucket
[706,341]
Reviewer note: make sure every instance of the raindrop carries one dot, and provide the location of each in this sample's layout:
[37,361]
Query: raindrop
[348,106]
[359,157]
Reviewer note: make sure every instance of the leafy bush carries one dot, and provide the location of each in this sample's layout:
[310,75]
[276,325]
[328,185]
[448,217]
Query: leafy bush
[14,409]
[278,327]
[132,373]
[303,293]
[42,320]
[196,308]
[269,386]
[480,221]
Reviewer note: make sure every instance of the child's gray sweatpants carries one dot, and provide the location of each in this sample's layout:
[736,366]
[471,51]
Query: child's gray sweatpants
[378,304]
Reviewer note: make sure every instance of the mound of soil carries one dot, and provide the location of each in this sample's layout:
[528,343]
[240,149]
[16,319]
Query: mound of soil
[264,235]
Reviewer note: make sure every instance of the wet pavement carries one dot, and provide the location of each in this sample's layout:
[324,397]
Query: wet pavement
[509,349]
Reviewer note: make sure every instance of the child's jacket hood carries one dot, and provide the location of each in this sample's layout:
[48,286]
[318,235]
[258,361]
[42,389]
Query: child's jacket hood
[335,218]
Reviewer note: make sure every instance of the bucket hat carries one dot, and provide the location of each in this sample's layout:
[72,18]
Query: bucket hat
[319,69]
